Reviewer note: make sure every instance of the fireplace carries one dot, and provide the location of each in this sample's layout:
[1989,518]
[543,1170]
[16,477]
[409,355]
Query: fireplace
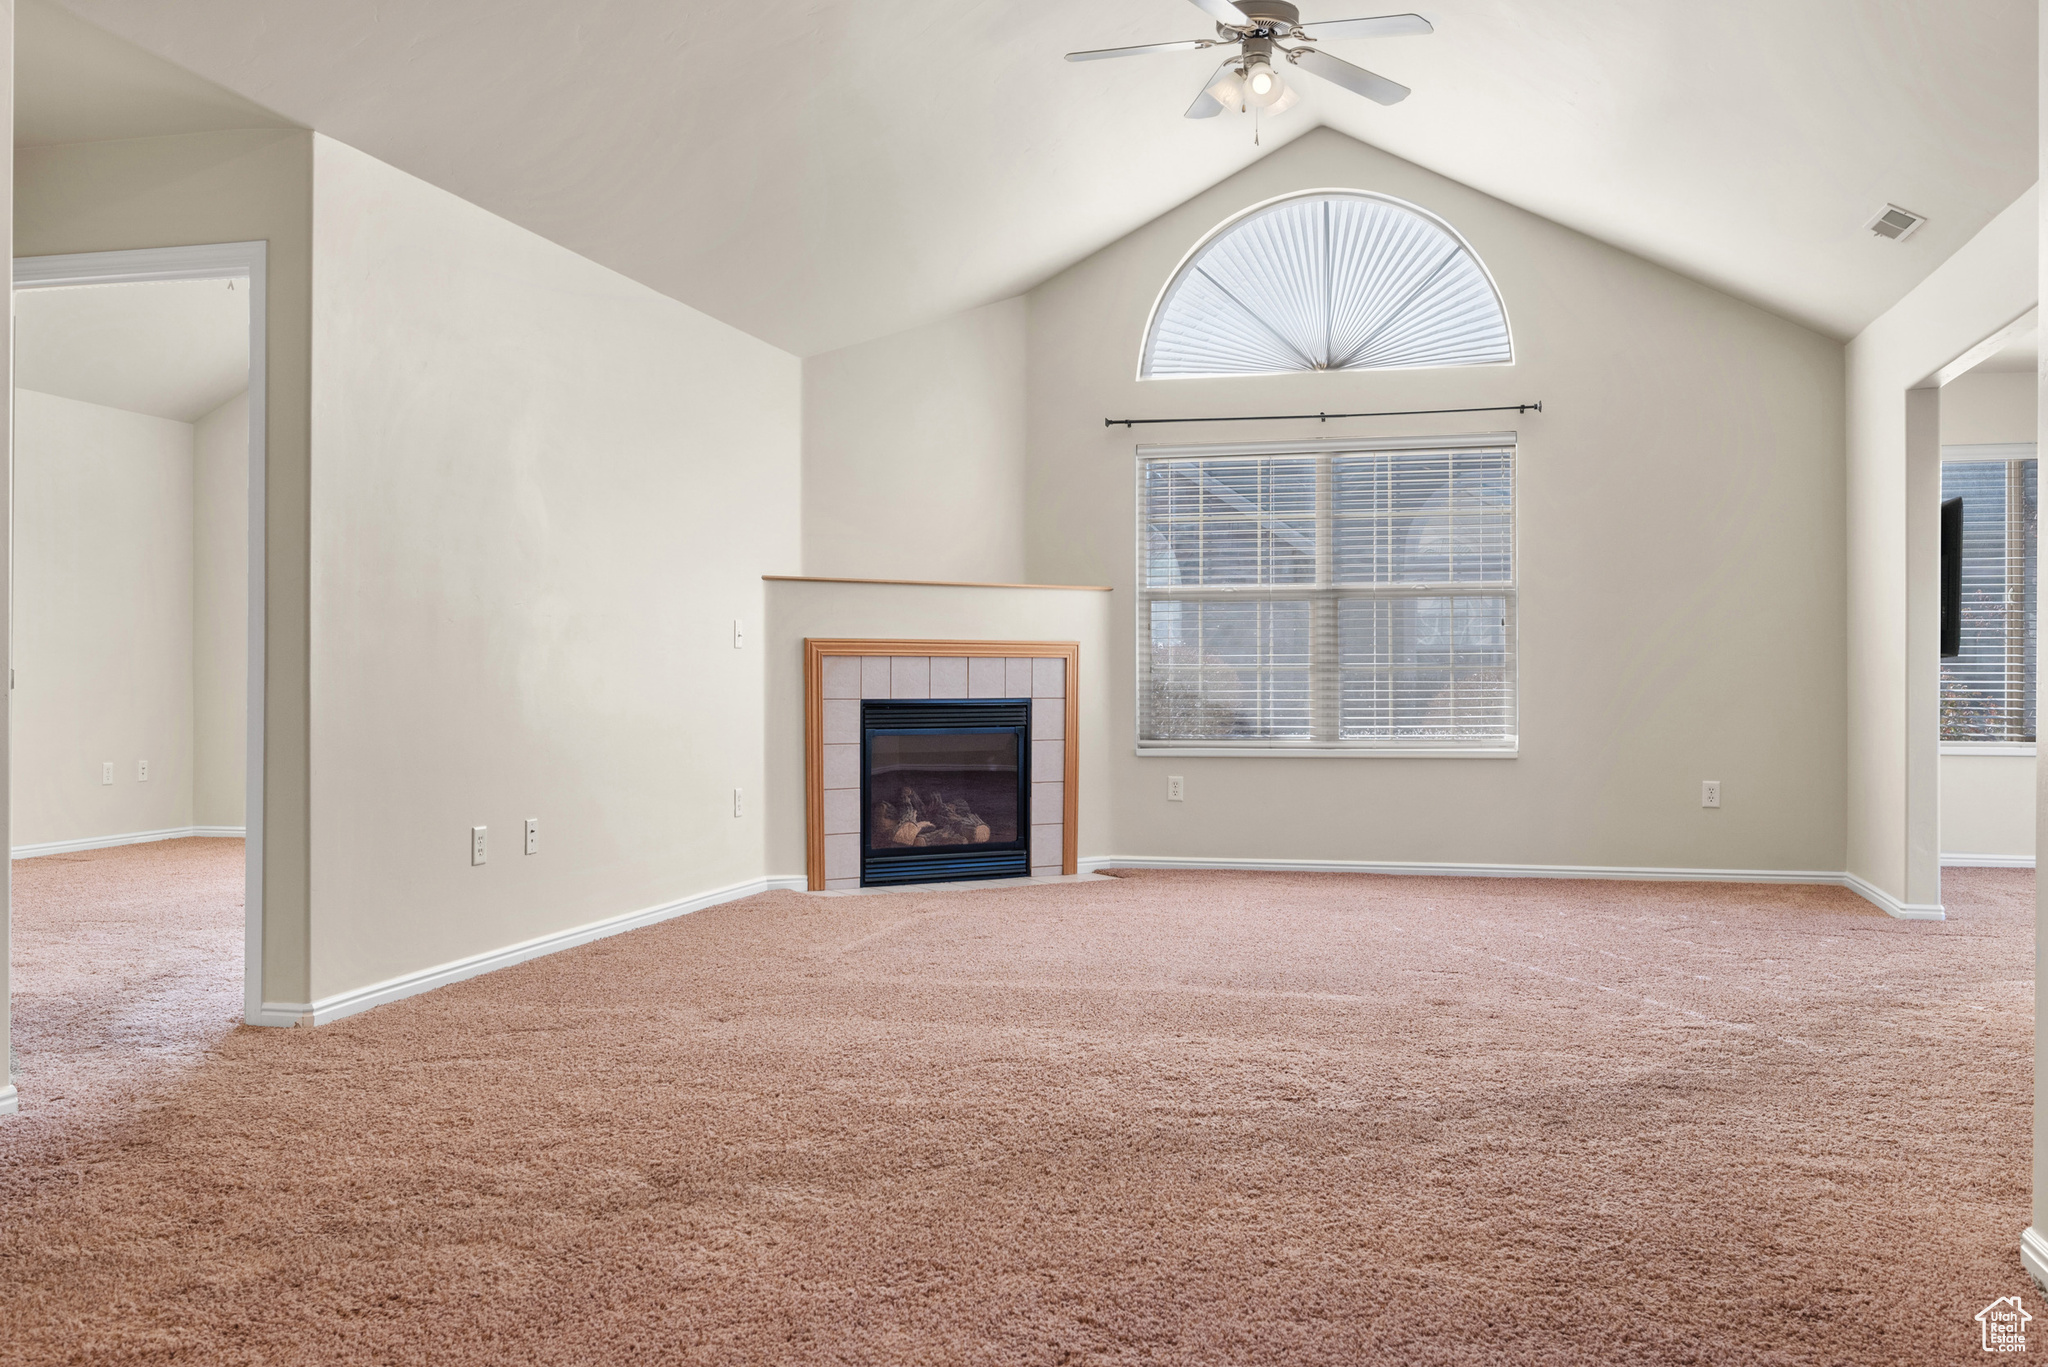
[945,789]
[1033,683]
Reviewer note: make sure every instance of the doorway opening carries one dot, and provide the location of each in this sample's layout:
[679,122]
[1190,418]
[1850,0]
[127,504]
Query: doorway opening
[136,645]
[1989,478]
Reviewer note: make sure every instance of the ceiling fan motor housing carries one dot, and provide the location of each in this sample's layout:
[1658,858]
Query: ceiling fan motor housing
[1270,18]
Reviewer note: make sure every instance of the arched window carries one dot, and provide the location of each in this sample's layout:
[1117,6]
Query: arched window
[1328,280]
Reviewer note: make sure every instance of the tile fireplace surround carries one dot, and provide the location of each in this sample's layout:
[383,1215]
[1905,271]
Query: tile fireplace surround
[838,674]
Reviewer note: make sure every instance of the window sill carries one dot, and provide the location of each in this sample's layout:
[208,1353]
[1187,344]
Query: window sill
[1312,752]
[1987,747]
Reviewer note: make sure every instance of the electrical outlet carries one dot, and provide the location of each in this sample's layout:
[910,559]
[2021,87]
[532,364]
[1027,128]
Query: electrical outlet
[107,772]
[739,635]
[478,847]
[533,835]
[142,771]
[1710,793]
[739,807]
[1176,788]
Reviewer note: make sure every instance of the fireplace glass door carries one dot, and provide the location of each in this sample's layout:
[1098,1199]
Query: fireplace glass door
[945,785]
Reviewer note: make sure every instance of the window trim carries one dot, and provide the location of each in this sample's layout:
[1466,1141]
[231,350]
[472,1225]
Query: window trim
[1507,748]
[1988,451]
[1267,750]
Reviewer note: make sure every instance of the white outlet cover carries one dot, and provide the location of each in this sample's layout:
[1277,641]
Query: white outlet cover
[479,847]
[107,772]
[142,771]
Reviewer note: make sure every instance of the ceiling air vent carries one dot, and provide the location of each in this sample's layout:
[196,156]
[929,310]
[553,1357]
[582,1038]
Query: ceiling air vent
[1895,223]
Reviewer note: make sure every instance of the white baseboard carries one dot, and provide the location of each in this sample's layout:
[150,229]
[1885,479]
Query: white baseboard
[108,842]
[10,1104]
[1891,906]
[1987,861]
[1638,875]
[412,984]
[2034,1255]
[1888,905]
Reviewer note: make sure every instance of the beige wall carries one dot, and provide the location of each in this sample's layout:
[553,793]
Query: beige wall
[204,188]
[2036,1260]
[541,496]
[220,614]
[103,621]
[914,452]
[1680,552]
[797,610]
[7,207]
[1894,546]
[1982,408]
[1987,806]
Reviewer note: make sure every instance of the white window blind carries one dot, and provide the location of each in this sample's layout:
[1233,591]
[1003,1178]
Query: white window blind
[1342,599]
[1330,280]
[1988,693]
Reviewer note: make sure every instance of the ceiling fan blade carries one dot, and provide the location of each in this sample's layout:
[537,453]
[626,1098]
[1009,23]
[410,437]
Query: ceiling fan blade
[1215,96]
[1223,12]
[1191,45]
[1355,79]
[1381,26]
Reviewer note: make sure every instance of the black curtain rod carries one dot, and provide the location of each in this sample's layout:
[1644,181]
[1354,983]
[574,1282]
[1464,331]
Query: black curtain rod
[1325,417]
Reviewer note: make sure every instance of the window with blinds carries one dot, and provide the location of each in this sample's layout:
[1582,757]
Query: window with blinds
[1329,280]
[1348,599]
[1987,694]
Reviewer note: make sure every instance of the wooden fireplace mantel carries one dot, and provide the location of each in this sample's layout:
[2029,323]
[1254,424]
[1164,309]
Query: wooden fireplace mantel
[817,650]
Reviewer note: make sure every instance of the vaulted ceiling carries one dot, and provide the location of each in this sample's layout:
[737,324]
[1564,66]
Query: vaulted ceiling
[819,172]
[75,83]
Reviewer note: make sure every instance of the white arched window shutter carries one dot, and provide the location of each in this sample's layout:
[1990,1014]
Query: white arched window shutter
[1327,280]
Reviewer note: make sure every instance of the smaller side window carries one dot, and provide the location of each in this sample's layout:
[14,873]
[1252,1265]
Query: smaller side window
[1987,692]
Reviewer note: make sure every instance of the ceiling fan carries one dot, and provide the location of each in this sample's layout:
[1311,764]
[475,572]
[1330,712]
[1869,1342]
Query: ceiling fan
[1256,28]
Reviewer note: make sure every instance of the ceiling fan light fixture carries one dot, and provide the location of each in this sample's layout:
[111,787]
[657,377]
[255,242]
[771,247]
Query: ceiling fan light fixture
[1228,89]
[1263,87]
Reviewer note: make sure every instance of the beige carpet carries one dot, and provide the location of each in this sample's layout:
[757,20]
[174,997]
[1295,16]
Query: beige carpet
[1174,1118]
[127,966]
